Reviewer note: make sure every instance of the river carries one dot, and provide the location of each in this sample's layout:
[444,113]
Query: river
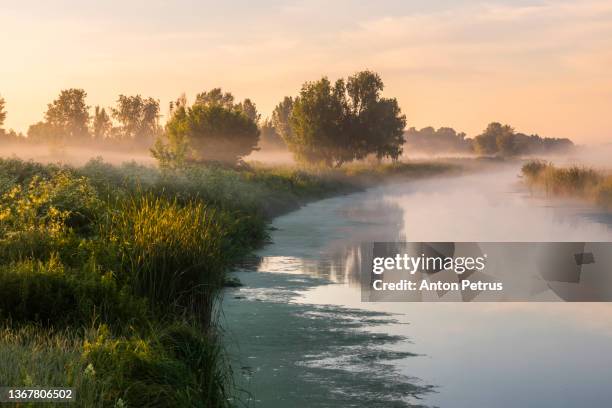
[299,335]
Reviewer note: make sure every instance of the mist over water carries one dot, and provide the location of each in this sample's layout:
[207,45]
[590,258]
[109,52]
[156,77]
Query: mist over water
[475,354]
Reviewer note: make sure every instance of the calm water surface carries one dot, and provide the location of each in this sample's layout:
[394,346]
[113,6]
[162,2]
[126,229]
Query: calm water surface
[300,336]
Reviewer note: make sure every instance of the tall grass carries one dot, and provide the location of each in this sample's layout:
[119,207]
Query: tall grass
[34,356]
[174,255]
[574,181]
[110,276]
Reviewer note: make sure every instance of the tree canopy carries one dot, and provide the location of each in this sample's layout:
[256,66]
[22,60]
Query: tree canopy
[2,113]
[67,116]
[138,117]
[337,123]
[102,125]
[498,139]
[212,129]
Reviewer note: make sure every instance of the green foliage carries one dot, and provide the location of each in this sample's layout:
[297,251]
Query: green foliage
[19,171]
[36,356]
[281,118]
[45,216]
[175,367]
[334,124]
[50,294]
[215,97]
[270,138]
[138,118]
[116,272]
[173,254]
[68,115]
[319,125]
[206,132]
[2,113]
[102,125]
[502,140]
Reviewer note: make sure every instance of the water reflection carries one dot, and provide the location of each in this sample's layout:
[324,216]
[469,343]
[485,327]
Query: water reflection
[480,355]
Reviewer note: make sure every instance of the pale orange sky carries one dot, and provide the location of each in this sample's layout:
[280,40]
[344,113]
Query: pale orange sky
[541,66]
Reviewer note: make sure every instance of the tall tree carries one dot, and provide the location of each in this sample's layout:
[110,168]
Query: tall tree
[334,124]
[68,115]
[249,109]
[281,118]
[102,125]
[377,123]
[319,124]
[138,118]
[2,114]
[270,139]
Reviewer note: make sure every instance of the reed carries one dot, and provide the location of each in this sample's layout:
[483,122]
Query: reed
[575,181]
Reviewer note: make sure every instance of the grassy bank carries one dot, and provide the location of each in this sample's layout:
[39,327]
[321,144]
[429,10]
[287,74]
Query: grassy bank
[580,182]
[110,275]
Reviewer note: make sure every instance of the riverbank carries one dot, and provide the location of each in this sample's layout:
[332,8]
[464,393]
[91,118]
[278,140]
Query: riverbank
[110,275]
[575,181]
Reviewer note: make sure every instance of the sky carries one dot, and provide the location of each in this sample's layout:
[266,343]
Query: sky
[541,66]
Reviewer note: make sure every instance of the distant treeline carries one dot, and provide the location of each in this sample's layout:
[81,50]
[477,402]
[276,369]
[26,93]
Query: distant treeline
[133,120]
[495,140]
[326,123]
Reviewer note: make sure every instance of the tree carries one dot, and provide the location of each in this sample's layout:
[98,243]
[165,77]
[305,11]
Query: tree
[281,118]
[2,114]
[102,124]
[495,137]
[43,132]
[334,124]
[138,118]
[249,109]
[67,116]
[215,97]
[432,141]
[319,124]
[269,138]
[206,132]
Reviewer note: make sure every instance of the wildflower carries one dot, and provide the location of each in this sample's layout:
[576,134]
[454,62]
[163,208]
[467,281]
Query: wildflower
[89,370]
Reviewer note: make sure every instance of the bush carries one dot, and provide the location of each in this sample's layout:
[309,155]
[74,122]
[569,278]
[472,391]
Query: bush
[42,217]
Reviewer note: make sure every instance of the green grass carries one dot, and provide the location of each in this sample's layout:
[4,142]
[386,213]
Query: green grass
[110,276]
[580,182]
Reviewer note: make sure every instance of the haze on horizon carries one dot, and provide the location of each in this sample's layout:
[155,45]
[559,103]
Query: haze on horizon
[541,66]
